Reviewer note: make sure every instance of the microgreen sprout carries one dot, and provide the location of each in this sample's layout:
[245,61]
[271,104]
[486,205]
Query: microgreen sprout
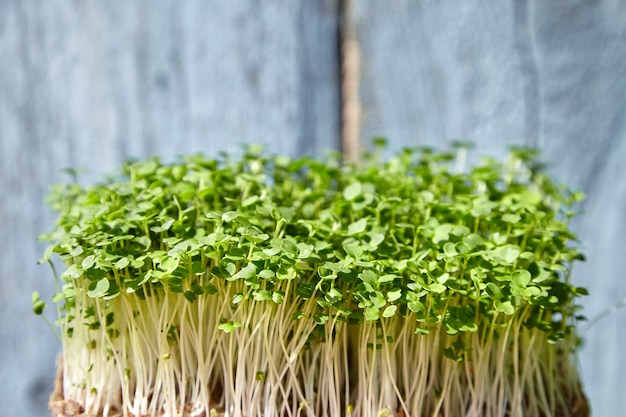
[265,286]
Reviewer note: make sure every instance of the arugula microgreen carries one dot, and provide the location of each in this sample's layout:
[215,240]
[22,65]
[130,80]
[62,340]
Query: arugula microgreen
[265,286]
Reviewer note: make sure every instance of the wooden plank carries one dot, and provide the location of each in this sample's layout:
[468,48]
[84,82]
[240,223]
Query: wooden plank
[88,84]
[547,74]
[431,76]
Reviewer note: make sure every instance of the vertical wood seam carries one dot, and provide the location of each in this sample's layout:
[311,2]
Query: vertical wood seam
[350,61]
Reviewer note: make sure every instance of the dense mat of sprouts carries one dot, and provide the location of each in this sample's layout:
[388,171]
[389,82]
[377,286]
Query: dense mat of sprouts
[265,286]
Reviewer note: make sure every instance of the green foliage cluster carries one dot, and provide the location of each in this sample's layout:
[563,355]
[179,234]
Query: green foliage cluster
[366,241]
[410,245]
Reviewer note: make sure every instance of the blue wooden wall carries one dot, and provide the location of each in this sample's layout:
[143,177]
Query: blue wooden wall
[90,83]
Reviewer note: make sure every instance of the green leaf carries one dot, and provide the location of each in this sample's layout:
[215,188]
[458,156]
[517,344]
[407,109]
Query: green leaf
[250,201]
[372,314]
[352,191]
[229,216]
[376,238]
[230,269]
[581,291]
[365,200]
[121,264]
[227,327]
[247,271]
[390,311]
[437,288]
[387,278]
[442,233]
[88,262]
[493,291]
[237,254]
[262,295]
[416,306]
[378,299]
[357,227]
[451,354]
[530,292]
[169,264]
[289,246]
[511,218]
[394,294]
[443,278]
[521,278]
[507,254]
[477,275]
[256,238]
[278,297]
[353,249]
[210,289]
[167,224]
[94,274]
[334,295]
[267,274]
[463,248]
[460,230]
[197,268]
[144,241]
[505,307]
[473,240]
[368,276]
[320,318]
[482,208]
[48,254]
[286,273]
[74,272]
[99,289]
[77,251]
[272,251]
[450,249]
[38,304]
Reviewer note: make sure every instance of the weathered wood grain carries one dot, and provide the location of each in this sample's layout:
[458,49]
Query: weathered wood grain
[547,74]
[434,72]
[89,84]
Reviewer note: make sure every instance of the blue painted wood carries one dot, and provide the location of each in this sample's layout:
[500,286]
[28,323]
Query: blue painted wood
[547,74]
[88,84]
